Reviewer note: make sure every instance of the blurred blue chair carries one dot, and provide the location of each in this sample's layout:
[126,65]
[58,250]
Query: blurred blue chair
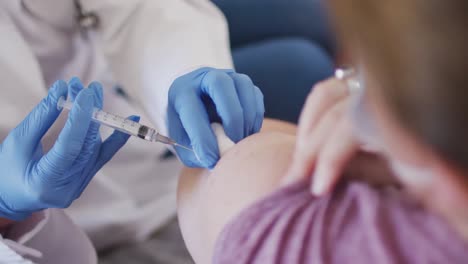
[285,46]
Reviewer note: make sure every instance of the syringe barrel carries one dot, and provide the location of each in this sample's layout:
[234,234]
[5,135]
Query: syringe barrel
[124,125]
[63,103]
[116,122]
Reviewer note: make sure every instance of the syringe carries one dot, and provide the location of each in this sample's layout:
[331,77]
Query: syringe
[125,125]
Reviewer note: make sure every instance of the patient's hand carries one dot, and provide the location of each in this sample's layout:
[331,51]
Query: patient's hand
[326,142]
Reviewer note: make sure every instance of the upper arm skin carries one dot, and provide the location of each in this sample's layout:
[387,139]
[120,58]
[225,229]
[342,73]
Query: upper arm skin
[252,169]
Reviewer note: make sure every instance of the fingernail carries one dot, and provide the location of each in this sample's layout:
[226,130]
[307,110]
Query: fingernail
[75,85]
[318,183]
[75,82]
[57,86]
[95,85]
[57,90]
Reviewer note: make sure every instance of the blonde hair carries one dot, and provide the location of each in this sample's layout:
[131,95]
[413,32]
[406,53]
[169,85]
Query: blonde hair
[418,52]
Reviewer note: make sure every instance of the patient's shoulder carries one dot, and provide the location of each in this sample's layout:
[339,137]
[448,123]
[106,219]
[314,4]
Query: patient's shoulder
[249,171]
[356,224]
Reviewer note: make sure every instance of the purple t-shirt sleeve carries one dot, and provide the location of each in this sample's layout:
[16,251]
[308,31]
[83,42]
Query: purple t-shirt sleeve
[356,224]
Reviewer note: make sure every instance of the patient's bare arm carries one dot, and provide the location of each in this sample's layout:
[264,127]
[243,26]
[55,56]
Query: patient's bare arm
[252,169]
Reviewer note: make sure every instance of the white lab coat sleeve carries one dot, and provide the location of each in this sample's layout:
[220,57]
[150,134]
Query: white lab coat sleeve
[149,43]
[46,237]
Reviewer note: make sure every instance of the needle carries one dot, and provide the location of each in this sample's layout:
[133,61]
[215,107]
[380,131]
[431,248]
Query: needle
[182,146]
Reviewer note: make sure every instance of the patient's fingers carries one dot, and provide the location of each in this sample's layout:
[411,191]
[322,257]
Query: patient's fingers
[323,97]
[309,145]
[339,149]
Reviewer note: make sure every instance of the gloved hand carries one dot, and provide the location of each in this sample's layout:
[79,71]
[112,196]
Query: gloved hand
[210,95]
[31,180]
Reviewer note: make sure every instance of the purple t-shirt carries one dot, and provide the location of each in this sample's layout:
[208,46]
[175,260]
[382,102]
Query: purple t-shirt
[356,224]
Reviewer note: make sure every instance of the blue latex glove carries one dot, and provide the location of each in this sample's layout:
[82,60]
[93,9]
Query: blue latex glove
[31,180]
[210,95]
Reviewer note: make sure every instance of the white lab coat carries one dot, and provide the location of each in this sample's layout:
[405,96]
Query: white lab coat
[46,237]
[142,45]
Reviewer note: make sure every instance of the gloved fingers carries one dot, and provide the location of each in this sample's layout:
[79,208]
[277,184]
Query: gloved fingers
[195,122]
[86,174]
[40,119]
[111,146]
[177,132]
[107,151]
[93,137]
[260,111]
[202,71]
[70,141]
[74,87]
[98,93]
[38,152]
[248,100]
[221,88]
[98,103]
